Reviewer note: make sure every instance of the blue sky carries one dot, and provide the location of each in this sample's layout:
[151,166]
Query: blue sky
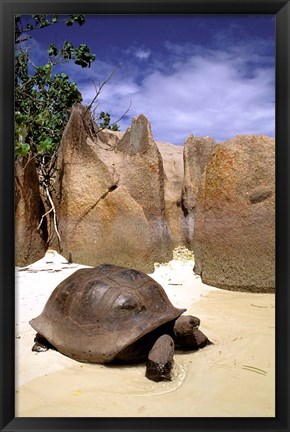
[209,75]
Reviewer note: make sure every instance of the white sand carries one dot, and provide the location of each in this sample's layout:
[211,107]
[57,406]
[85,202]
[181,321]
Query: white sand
[235,377]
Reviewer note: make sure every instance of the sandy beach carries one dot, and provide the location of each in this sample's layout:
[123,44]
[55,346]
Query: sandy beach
[234,377]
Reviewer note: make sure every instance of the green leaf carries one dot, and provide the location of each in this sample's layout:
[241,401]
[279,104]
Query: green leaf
[39,120]
[52,50]
[25,148]
[45,146]
[81,63]
[19,118]
[115,127]
[22,132]
[44,23]
[69,22]
[37,18]
[67,50]
[81,20]
[21,149]
[47,141]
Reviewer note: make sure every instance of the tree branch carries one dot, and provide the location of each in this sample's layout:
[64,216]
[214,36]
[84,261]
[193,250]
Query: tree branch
[101,86]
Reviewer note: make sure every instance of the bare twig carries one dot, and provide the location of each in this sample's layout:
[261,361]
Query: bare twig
[54,214]
[98,91]
[123,115]
[52,209]
[45,178]
[42,217]
[29,160]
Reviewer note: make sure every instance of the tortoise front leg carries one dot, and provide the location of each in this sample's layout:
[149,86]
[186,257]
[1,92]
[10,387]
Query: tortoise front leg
[160,359]
[41,344]
[187,335]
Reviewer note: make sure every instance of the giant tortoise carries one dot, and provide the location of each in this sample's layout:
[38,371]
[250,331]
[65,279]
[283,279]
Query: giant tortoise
[114,314]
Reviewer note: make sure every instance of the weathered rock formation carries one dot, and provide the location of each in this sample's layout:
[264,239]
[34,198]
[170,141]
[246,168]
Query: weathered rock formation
[99,220]
[234,235]
[141,172]
[30,243]
[197,151]
[124,199]
[172,157]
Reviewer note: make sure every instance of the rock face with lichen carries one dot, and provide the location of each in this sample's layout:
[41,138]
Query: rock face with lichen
[234,235]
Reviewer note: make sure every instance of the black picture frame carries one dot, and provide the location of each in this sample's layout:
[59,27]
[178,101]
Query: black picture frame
[281,10]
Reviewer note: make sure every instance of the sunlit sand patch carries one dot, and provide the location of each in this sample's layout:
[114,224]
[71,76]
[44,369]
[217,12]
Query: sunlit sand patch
[240,325]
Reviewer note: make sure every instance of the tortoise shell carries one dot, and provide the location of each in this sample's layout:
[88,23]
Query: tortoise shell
[106,313]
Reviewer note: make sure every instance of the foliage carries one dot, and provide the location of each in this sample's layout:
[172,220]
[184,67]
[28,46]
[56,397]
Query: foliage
[42,99]
[104,121]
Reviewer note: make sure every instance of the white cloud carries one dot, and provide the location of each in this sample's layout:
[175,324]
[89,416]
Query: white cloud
[142,54]
[220,90]
[207,93]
